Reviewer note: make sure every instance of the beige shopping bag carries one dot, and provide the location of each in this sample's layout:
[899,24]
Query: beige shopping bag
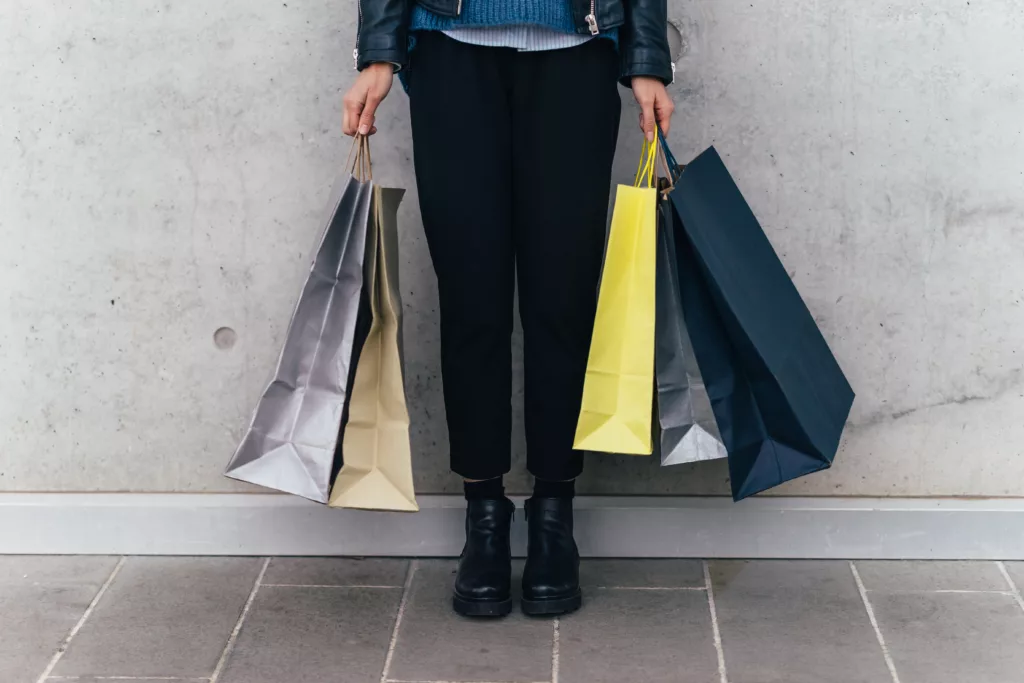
[377,469]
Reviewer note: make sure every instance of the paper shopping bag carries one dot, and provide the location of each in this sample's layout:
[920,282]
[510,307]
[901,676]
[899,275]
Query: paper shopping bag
[779,396]
[686,422]
[376,473]
[615,415]
[291,442]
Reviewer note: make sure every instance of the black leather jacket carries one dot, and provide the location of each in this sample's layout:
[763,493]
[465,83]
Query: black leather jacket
[643,41]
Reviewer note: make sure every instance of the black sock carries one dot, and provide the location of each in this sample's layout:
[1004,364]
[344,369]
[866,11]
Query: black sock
[488,489]
[543,488]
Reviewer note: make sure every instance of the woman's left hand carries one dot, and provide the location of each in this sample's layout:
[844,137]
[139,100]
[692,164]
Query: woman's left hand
[655,105]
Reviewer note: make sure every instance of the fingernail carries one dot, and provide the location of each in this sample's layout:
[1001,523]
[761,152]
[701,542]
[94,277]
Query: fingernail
[650,136]
[363,130]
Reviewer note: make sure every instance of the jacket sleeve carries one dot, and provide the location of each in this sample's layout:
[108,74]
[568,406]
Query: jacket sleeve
[383,33]
[644,41]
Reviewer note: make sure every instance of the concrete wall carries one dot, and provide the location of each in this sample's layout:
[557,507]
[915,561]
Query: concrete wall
[163,168]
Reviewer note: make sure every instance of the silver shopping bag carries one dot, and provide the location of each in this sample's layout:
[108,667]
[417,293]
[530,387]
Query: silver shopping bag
[291,443]
[687,424]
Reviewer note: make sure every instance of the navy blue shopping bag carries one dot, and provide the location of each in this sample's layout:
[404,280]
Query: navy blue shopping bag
[779,396]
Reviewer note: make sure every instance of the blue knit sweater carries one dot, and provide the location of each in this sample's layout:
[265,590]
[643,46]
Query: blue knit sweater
[553,14]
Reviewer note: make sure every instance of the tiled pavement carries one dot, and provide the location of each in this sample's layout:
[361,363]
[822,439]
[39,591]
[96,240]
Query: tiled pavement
[298,620]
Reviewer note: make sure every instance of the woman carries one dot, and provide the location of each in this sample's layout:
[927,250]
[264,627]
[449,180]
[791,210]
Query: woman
[515,112]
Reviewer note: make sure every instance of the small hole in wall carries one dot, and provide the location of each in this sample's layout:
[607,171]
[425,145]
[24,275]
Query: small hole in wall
[225,338]
[675,42]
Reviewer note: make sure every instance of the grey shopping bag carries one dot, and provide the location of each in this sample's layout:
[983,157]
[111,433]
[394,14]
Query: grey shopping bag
[688,432]
[291,443]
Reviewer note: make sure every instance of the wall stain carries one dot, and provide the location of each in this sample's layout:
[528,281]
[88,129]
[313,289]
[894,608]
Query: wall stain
[1001,386]
[958,214]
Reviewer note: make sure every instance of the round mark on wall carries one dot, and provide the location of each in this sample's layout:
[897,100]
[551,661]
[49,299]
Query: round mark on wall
[675,41]
[225,338]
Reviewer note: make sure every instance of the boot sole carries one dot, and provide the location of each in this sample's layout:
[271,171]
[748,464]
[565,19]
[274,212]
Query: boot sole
[553,607]
[481,608]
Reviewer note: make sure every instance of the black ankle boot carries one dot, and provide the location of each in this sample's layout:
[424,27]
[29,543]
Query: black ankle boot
[551,579]
[483,582]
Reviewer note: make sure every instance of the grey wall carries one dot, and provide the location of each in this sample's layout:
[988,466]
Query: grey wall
[163,167]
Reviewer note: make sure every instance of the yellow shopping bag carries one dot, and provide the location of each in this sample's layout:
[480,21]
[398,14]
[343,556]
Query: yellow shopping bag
[618,393]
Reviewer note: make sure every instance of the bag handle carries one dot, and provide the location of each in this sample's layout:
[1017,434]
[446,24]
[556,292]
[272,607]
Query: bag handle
[670,178]
[361,167]
[674,168]
[648,164]
[651,153]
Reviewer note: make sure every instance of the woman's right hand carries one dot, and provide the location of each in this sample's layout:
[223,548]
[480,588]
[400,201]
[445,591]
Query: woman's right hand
[371,87]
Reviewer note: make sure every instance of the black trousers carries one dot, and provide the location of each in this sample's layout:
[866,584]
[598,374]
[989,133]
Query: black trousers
[513,155]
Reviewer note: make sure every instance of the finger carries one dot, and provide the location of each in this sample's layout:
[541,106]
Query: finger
[350,119]
[373,130]
[647,120]
[349,123]
[665,111]
[367,118]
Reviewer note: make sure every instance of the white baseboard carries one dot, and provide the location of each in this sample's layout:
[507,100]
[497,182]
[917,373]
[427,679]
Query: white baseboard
[265,524]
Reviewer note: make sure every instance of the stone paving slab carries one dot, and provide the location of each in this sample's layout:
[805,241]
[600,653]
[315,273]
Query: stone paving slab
[336,571]
[794,622]
[434,644]
[953,637]
[931,576]
[642,574]
[309,635]
[41,600]
[163,616]
[639,635]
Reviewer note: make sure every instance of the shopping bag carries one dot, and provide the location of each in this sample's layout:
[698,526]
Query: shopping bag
[376,473]
[615,415]
[779,396]
[291,442]
[687,428]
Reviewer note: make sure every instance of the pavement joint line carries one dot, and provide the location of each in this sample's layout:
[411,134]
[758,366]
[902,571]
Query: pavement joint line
[1014,590]
[723,676]
[556,663]
[938,590]
[393,643]
[233,638]
[128,678]
[81,622]
[650,588]
[315,585]
[874,623]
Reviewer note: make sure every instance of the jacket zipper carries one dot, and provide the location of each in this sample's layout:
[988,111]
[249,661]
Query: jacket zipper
[458,8]
[359,28]
[591,18]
